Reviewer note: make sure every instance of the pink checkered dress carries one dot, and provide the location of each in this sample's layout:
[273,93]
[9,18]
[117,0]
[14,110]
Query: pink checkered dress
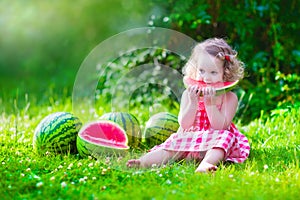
[201,137]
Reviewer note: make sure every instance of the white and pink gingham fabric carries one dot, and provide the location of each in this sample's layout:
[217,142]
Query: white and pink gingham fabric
[201,137]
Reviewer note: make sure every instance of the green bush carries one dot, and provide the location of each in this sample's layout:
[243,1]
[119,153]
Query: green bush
[281,93]
[43,55]
[136,82]
[265,33]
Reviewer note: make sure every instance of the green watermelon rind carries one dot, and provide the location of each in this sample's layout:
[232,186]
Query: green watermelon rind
[82,150]
[86,148]
[56,133]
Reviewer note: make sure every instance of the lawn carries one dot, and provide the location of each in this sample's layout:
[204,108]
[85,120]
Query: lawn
[271,172]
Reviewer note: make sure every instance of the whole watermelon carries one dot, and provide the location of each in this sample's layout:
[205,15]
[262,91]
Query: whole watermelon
[159,127]
[57,133]
[129,123]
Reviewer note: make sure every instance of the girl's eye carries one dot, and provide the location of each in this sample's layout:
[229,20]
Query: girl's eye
[214,72]
[201,71]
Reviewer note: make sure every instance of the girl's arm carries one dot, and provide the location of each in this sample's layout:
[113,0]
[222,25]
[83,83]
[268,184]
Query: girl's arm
[221,119]
[188,107]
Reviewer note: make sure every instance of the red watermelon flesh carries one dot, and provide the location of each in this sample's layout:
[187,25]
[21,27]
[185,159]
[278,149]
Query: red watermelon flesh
[220,87]
[104,133]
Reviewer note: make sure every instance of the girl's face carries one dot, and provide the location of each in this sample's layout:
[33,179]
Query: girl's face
[209,68]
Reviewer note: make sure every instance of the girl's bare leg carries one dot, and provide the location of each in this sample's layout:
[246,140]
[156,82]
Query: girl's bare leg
[211,159]
[157,157]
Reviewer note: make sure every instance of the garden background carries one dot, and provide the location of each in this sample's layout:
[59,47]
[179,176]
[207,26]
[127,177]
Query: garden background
[43,43]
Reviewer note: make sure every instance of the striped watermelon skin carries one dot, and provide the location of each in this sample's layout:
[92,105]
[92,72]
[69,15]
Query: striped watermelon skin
[129,123]
[57,133]
[82,149]
[159,127]
[86,149]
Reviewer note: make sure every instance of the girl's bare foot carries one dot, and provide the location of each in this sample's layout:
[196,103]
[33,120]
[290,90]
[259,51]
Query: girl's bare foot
[133,163]
[205,167]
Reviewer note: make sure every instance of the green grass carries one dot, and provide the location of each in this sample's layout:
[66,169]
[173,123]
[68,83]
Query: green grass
[271,172]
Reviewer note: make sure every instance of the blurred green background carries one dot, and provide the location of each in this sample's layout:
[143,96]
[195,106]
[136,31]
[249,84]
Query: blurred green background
[43,43]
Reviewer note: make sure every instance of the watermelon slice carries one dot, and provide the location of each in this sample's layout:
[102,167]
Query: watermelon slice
[221,87]
[101,137]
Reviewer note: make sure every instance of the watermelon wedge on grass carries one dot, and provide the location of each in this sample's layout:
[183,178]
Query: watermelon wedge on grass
[129,123]
[101,138]
[221,87]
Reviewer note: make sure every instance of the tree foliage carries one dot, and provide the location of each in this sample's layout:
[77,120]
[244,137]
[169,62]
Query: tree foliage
[43,43]
[265,33]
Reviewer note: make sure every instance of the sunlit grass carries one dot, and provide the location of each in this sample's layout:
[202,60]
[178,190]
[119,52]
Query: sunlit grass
[271,172]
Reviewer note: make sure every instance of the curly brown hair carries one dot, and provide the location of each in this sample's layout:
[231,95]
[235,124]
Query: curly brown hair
[219,48]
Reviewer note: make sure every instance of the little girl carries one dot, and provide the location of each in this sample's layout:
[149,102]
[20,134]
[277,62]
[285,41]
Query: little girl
[206,131]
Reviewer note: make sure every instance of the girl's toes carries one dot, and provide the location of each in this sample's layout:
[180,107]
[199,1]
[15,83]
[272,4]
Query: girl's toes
[133,163]
[205,167]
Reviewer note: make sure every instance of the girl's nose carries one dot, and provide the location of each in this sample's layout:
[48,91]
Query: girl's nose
[199,77]
[207,79]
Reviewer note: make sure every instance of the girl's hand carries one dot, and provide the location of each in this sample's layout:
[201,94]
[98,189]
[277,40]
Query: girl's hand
[209,94]
[194,93]
[208,91]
